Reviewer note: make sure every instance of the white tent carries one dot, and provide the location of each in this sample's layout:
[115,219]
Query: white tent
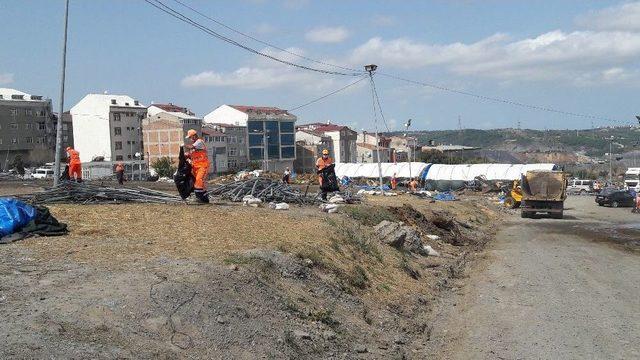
[467,172]
[402,170]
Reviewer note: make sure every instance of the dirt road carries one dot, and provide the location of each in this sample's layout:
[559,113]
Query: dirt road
[550,289]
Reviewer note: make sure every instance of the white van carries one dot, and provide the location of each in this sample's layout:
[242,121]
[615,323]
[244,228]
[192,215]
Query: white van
[582,187]
[43,173]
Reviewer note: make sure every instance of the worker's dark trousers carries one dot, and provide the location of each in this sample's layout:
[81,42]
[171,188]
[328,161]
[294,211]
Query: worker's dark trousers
[324,195]
[120,177]
[201,195]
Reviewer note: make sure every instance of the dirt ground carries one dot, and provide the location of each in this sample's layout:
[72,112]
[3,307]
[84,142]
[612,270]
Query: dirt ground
[549,289]
[224,281]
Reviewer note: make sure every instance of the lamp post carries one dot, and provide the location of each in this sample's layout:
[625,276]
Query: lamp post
[406,126]
[56,168]
[371,68]
[611,160]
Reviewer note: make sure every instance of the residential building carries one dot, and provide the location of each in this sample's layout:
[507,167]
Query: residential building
[344,140]
[405,148]
[164,133]
[28,128]
[271,133]
[309,146]
[384,142]
[368,153]
[216,142]
[108,127]
[237,145]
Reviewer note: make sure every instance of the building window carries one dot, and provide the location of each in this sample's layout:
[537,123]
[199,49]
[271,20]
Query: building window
[40,113]
[28,140]
[42,126]
[14,112]
[288,152]
[255,154]
[113,102]
[274,152]
[255,126]
[28,126]
[232,164]
[14,141]
[65,127]
[116,117]
[117,130]
[129,156]
[286,127]
[118,145]
[233,139]
[65,138]
[231,152]
[13,126]
[28,112]
[118,157]
[255,140]
[221,150]
[39,140]
[287,139]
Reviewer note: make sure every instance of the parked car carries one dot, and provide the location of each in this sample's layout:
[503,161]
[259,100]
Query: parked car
[615,198]
[43,173]
[581,187]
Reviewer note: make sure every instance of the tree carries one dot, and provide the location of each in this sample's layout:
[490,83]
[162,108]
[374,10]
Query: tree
[164,167]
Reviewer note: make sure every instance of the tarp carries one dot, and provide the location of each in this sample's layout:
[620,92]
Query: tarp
[14,215]
[402,170]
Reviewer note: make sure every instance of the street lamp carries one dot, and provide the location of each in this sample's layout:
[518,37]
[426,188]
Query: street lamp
[611,160]
[406,126]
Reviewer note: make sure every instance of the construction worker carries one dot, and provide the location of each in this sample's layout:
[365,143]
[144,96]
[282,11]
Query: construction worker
[286,176]
[75,166]
[413,185]
[322,163]
[120,173]
[394,182]
[199,164]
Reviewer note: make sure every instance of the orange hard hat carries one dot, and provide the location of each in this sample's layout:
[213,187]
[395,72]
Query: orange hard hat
[68,148]
[325,152]
[190,133]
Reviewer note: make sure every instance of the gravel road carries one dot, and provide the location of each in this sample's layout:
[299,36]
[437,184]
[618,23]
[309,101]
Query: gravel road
[550,289]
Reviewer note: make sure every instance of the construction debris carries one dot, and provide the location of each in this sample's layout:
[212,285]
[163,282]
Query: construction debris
[401,237]
[278,206]
[84,193]
[329,208]
[267,190]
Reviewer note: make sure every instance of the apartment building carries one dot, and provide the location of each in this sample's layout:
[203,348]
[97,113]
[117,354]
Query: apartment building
[270,133]
[108,127]
[216,142]
[237,145]
[309,146]
[165,131]
[343,140]
[28,128]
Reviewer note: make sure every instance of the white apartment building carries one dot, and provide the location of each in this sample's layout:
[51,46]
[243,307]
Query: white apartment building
[343,138]
[108,126]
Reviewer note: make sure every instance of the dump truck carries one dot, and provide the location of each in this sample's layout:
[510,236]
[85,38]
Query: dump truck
[543,192]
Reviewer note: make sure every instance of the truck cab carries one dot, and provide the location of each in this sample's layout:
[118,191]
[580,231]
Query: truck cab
[632,178]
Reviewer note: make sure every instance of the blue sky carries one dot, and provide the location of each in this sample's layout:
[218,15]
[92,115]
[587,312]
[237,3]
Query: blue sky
[579,56]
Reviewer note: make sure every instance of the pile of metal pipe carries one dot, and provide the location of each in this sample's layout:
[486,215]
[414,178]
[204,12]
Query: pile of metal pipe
[84,193]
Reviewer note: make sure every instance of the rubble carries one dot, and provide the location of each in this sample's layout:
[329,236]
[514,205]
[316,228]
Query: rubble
[401,237]
[266,190]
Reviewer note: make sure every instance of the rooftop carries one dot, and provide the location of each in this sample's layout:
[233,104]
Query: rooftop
[173,108]
[322,127]
[269,110]
[370,146]
[212,132]
[13,94]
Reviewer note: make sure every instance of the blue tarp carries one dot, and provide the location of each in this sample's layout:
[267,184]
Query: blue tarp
[14,215]
[444,196]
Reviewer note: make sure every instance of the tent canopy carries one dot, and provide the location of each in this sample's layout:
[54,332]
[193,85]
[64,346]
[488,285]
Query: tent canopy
[402,170]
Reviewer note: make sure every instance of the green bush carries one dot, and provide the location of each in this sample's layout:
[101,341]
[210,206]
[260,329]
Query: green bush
[164,167]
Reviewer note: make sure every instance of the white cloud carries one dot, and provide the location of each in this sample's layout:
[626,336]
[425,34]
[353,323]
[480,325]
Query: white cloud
[383,20]
[624,17]
[263,73]
[550,56]
[265,29]
[6,78]
[328,34]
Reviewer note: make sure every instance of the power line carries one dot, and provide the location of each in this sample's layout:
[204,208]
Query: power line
[327,95]
[375,92]
[178,15]
[262,41]
[500,100]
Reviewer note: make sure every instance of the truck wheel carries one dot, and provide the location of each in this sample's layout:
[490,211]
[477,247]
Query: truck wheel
[583,192]
[615,204]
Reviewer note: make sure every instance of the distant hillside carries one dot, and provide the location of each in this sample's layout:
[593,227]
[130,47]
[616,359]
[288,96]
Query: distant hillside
[593,143]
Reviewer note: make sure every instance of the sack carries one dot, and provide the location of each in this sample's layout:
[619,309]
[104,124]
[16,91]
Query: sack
[183,177]
[14,215]
[329,179]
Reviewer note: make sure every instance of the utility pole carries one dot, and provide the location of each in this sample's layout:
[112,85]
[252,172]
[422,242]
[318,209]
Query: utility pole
[406,126]
[370,69]
[610,161]
[56,169]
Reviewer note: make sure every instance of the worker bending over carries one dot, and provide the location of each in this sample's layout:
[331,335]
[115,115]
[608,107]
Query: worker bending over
[322,163]
[120,173]
[199,165]
[75,166]
[413,185]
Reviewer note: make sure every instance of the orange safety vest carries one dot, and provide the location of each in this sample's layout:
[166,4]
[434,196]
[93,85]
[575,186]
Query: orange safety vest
[199,157]
[321,163]
[74,157]
[119,168]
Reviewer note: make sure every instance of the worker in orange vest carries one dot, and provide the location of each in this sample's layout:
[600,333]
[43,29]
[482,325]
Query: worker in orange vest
[199,164]
[394,182]
[75,166]
[120,173]
[322,163]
